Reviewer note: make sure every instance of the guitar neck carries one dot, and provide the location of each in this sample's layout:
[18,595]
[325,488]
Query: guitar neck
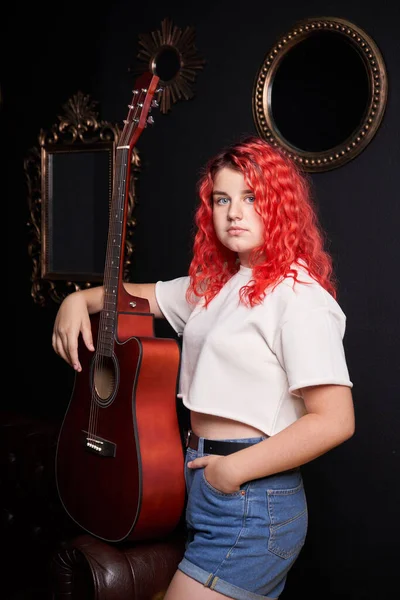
[136,121]
[113,271]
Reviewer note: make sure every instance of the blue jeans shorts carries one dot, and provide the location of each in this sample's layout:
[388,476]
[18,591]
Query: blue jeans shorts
[243,544]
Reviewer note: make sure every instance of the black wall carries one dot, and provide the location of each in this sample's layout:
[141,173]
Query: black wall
[50,54]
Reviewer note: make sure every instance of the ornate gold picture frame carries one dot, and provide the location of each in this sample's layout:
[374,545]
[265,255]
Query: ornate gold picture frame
[69,180]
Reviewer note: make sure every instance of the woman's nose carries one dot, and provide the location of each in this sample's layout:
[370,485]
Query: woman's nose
[235,211]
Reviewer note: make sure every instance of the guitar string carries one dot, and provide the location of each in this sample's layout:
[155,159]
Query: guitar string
[130,127]
[110,305]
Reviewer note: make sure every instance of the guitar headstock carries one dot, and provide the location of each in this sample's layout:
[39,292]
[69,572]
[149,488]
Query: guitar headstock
[146,86]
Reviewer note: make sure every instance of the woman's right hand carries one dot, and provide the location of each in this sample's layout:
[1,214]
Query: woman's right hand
[71,320]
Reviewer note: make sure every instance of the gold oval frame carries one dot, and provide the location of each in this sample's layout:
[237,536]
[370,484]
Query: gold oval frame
[377,78]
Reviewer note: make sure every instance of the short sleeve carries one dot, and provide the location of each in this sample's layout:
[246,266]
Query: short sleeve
[171,298]
[309,346]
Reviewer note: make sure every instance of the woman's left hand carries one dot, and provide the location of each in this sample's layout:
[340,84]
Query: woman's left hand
[216,472]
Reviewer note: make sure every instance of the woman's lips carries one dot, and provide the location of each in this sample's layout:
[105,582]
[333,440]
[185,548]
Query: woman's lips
[236,230]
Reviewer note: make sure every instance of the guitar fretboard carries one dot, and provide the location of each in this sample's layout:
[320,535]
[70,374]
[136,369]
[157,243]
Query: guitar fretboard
[114,253]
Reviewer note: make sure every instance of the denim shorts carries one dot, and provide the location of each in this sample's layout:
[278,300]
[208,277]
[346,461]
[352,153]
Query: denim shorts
[243,544]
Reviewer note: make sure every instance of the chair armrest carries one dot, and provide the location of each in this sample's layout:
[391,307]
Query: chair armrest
[89,568]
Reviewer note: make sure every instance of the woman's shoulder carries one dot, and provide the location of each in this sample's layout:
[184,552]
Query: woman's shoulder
[299,292]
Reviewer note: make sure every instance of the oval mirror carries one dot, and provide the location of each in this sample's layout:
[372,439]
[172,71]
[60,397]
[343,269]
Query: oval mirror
[320,93]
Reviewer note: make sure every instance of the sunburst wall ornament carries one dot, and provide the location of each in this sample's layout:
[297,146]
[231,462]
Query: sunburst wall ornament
[170,53]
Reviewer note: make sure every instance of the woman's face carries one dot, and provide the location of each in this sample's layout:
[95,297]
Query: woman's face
[237,225]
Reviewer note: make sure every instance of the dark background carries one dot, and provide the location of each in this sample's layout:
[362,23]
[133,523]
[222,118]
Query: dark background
[52,52]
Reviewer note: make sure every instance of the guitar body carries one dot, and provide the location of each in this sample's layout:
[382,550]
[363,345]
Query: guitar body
[134,489]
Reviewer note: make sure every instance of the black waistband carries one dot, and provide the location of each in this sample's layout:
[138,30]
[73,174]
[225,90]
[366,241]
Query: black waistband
[215,446]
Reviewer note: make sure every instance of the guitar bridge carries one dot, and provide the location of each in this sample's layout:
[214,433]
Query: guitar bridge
[98,445]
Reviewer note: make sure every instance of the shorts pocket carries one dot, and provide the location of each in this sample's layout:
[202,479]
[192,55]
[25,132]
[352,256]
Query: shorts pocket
[218,492]
[288,516]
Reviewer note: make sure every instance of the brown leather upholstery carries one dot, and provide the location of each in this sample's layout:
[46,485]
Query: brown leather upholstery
[45,554]
[90,568]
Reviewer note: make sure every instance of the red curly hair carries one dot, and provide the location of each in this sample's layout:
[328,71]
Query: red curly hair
[292,232]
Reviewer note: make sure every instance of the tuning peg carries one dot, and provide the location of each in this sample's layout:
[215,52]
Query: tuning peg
[154,104]
[160,89]
[150,121]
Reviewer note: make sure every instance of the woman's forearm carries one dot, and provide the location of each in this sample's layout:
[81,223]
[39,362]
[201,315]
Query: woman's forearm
[94,298]
[307,438]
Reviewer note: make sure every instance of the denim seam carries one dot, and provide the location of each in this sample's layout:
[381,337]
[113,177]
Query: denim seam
[274,528]
[287,492]
[218,492]
[272,493]
[220,585]
[239,535]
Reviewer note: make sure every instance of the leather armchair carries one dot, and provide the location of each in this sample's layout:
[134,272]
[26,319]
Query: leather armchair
[90,568]
[45,554]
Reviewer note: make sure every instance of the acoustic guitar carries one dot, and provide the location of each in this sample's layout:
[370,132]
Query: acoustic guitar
[119,456]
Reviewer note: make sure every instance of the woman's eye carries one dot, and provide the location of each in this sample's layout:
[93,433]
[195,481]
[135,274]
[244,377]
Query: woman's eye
[250,199]
[222,201]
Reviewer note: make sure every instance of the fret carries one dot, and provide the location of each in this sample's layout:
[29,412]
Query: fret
[106,342]
[115,257]
[111,275]
[104,351]
[107,332]
[113,265]
[113,245]
[108,321]
[107,339]
[110,304]
[116,229]
[111,285]
[117,215]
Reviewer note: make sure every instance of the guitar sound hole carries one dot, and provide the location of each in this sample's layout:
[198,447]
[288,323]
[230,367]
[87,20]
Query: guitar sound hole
[105,378]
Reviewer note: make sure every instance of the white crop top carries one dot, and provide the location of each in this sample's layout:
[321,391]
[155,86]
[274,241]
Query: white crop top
[247,364]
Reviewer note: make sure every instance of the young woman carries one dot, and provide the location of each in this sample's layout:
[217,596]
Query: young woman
[263,370]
